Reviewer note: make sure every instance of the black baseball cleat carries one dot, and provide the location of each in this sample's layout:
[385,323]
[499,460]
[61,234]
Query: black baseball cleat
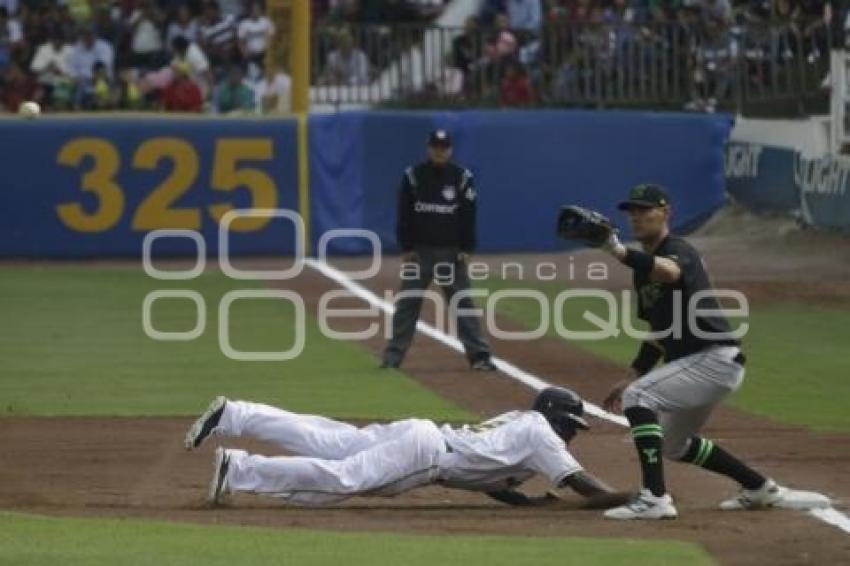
[484,364]
[389,364]
[218,485]
[206,423]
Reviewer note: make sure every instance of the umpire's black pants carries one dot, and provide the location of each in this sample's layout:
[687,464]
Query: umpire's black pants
[435,261]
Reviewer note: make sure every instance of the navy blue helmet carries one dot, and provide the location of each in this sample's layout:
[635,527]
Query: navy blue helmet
[563,409]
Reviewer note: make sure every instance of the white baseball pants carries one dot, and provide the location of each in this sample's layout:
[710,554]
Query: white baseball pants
[336,460]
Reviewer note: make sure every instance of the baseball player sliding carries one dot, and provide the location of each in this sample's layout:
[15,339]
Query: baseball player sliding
[336,461]
[667,406]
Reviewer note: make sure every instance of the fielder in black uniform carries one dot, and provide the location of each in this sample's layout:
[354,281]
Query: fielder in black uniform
[666,407]
[436,232]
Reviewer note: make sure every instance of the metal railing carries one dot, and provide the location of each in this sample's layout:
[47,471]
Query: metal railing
[591,65]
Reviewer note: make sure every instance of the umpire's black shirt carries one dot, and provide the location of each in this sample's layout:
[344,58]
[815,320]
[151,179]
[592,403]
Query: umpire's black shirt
[436,207]
[656,300]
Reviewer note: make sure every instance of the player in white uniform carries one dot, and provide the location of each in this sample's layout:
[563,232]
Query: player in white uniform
[336,461]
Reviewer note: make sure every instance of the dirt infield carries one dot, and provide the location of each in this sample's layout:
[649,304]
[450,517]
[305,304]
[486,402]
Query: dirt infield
[136,467]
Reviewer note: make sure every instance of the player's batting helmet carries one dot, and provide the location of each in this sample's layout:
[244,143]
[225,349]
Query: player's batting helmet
[563,409]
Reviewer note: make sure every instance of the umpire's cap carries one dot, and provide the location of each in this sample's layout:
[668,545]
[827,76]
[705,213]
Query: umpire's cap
[440,138]
[645,195]
[563,409]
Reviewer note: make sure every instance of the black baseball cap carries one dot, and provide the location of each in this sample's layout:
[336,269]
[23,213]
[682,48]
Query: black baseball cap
[645,195]
[440,137]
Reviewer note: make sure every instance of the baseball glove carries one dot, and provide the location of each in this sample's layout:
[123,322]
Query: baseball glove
[586,226]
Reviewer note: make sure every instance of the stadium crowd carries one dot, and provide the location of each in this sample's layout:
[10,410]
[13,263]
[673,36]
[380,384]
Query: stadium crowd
[209,55]
[529,51]
[186,56]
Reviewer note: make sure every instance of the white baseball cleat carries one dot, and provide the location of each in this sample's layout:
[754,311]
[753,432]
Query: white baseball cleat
[218,485]
[772,494]
[644,506]
[205,424]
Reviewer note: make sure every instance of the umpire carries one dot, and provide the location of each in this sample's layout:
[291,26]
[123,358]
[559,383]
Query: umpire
[436,232]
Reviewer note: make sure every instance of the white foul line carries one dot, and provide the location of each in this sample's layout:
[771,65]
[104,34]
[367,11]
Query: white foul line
[830,515]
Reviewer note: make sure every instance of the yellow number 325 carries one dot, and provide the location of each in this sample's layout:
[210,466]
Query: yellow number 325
[157,210]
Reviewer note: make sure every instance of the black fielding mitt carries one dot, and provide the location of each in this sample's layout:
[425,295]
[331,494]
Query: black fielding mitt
[586,226]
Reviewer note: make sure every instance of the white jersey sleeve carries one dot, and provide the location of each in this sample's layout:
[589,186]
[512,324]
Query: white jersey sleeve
[550,457]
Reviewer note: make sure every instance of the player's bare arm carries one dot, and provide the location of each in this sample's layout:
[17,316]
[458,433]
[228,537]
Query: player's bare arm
[597,494]
[519,499]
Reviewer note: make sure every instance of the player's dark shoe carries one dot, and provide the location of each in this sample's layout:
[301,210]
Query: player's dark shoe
[390,364]
[218,485]
[644,506]
[484,364]
[206,423]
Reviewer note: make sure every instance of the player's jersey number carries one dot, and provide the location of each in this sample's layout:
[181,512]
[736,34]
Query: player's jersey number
[158,209]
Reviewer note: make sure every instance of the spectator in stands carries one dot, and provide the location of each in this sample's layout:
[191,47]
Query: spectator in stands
[49,65]
[128,94]
[254,34]
[185,25]
[274,92]
[621,13]
[110,26]
[714,67]
[87,51]
[234,95]
[11,38]
[466,52]
[193,56]
[814,20]
[717,13]
[501,48]
[783,14]
[146,44]
[218,35]
[516,89]
[233,9]
[491,9]
[11,6]
[17,87]
[99,93]
[183,94]
[426,10]
[661,12]
[347,64]
[343,10]
[525,17]
[79,10]
[502,43]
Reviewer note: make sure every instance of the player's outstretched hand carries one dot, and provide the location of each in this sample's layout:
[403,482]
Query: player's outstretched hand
[613,403]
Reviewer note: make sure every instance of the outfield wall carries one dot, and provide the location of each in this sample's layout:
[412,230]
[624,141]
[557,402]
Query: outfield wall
[782,167]
[94,187]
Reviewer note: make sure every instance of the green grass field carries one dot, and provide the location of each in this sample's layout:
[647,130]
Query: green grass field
[37,541]
[73,344]
[797,364]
